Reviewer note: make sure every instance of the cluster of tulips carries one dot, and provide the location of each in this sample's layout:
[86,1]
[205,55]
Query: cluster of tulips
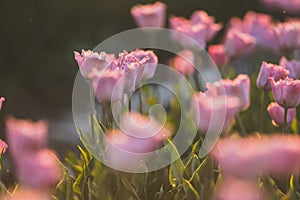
[242,160]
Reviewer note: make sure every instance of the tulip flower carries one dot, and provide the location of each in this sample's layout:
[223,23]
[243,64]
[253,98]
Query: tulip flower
[286,92]
[88,60]
[288,35]
[25,136]
[27,194]
[268,70]
[150,15]
[210,110]
[293,66]
[238,43]
[218,55]
[184,62]
[2,99]
[239,87]
[39,169]
[277,114]
[3,146]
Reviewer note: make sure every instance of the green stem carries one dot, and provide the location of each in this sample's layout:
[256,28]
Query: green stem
[92,108]
[284,120]
[141,100]
[262,111]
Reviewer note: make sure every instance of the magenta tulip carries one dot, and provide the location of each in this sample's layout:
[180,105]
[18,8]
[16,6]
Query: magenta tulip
[286,92]
[268,70]
[293,66]
[150,15]
[184,62]
[218,55]
[2,99]
[277,114]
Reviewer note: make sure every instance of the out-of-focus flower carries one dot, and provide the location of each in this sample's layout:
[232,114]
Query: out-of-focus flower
[253,156]
[2,99]
[260,27]
[88,60]
[27,194]
[291,6]
[200,27]
[268,70]
[150,15]
[293,66]
[286,92]
[108,85]
[138,134]
[238,43]
[233,189]
[239,87]
[213,110]
[25,136]
[184,62]
[200,16]
[287,35]
[39,169]
[217,53]
[277,113]
[284,155]
[3,146]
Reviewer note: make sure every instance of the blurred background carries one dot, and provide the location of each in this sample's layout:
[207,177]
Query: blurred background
[36,51]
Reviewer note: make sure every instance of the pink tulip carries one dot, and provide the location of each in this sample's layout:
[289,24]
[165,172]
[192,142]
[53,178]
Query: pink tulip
[258,155]
[235,189]
[2,99]
[126,148]
[277,114]
[238,43]
[286,92]
[288,35]
[201,28]
[239,87]
[150,15]
[210,110]
[293,66]
[88,60]
[27,194]
[200,16]
[39,169]
[218,55]
[268,70]
[25,136]
[284,155]
[3,146]
[109,85]
[184,62]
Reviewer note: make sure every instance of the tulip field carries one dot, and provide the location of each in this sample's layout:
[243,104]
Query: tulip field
[176,108]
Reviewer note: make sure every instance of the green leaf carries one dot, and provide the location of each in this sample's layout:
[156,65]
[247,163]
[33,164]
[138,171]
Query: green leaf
[177,167]
[190,191]
[77,184]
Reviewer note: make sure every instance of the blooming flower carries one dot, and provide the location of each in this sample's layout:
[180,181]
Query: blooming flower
[233,189]
[277,113]
[126,148]
[217,53]
[45,166]
[26,194]
[256,155]
[25,136]
[238,43]
[108,85]
[293,66]
[2,99]
[239,87]
[183,62]
[213,110]
[268,70]
[286,92]
[3,146]
[258,26]
[288,35]
[200,27]
[150,15]
[88,60]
